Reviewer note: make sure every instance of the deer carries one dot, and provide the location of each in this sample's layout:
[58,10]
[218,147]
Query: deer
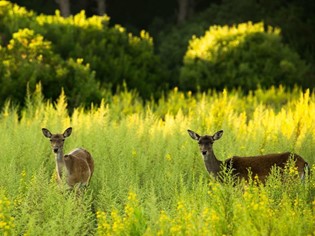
[77,166]
[245,167]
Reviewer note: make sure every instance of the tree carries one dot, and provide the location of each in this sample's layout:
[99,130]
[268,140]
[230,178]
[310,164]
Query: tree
[185,10]
[64,6]
[101,7]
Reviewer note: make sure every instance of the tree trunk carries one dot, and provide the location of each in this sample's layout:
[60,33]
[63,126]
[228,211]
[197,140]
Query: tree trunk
[64,6]
[101,7]
[182,11]
[185,10]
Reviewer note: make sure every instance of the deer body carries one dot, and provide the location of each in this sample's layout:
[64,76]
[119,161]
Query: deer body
[241,166]
[77,166]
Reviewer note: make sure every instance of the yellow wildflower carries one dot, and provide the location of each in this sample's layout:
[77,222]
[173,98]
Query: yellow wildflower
[168,157]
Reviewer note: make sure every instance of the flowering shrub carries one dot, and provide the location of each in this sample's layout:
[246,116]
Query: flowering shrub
[245,55]
[130,222]
[6,219]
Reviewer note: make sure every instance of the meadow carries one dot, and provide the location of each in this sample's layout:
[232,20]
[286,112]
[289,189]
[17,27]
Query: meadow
[149,177]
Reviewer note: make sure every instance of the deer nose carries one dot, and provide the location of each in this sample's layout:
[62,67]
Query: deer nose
[204,152]
[55,150]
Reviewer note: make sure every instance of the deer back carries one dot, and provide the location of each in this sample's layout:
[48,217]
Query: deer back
[80,166]
[261,165]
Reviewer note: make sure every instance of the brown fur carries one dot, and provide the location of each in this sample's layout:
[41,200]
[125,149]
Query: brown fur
[258,165]
[261,165]
[78,165]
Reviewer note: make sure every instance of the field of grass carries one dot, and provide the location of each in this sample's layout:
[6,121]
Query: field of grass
[149,177]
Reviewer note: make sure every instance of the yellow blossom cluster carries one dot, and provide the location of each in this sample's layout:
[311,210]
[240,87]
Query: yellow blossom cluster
[121,223]
[186,221]
[6,220]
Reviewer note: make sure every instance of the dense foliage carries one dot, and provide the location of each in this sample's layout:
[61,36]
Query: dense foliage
[294,18]
[89,58]
[29,59]
[149,177]
[244,55]
[115,55]
[82,55]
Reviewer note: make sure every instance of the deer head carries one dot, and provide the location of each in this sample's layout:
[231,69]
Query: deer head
[205,142]
[57,140]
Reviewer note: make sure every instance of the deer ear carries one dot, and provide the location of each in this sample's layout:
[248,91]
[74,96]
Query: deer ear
[193,135]
[67,132]
[46,133]
[217,135]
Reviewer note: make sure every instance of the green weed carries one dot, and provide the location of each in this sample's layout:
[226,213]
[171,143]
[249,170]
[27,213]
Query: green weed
[149,178]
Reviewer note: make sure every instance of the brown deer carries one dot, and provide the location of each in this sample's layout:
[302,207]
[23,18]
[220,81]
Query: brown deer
[241,167]
[77,166]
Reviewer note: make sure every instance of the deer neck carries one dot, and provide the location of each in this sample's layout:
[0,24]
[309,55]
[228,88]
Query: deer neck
[60,163]
[212,164]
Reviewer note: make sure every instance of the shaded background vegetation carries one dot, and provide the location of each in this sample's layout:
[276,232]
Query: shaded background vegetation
[91,56]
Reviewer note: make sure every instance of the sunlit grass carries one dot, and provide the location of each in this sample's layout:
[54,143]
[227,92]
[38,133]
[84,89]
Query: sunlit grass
[149,178]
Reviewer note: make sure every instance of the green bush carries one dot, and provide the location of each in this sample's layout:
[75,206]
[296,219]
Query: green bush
[246,56]
[173,41]
[116,56]
[296,20]
[12,18]
[85,49]
[28,59]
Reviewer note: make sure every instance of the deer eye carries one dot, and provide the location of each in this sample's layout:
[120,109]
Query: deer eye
[207,143]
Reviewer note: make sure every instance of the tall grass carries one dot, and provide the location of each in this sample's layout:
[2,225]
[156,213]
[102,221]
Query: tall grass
[149,178]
